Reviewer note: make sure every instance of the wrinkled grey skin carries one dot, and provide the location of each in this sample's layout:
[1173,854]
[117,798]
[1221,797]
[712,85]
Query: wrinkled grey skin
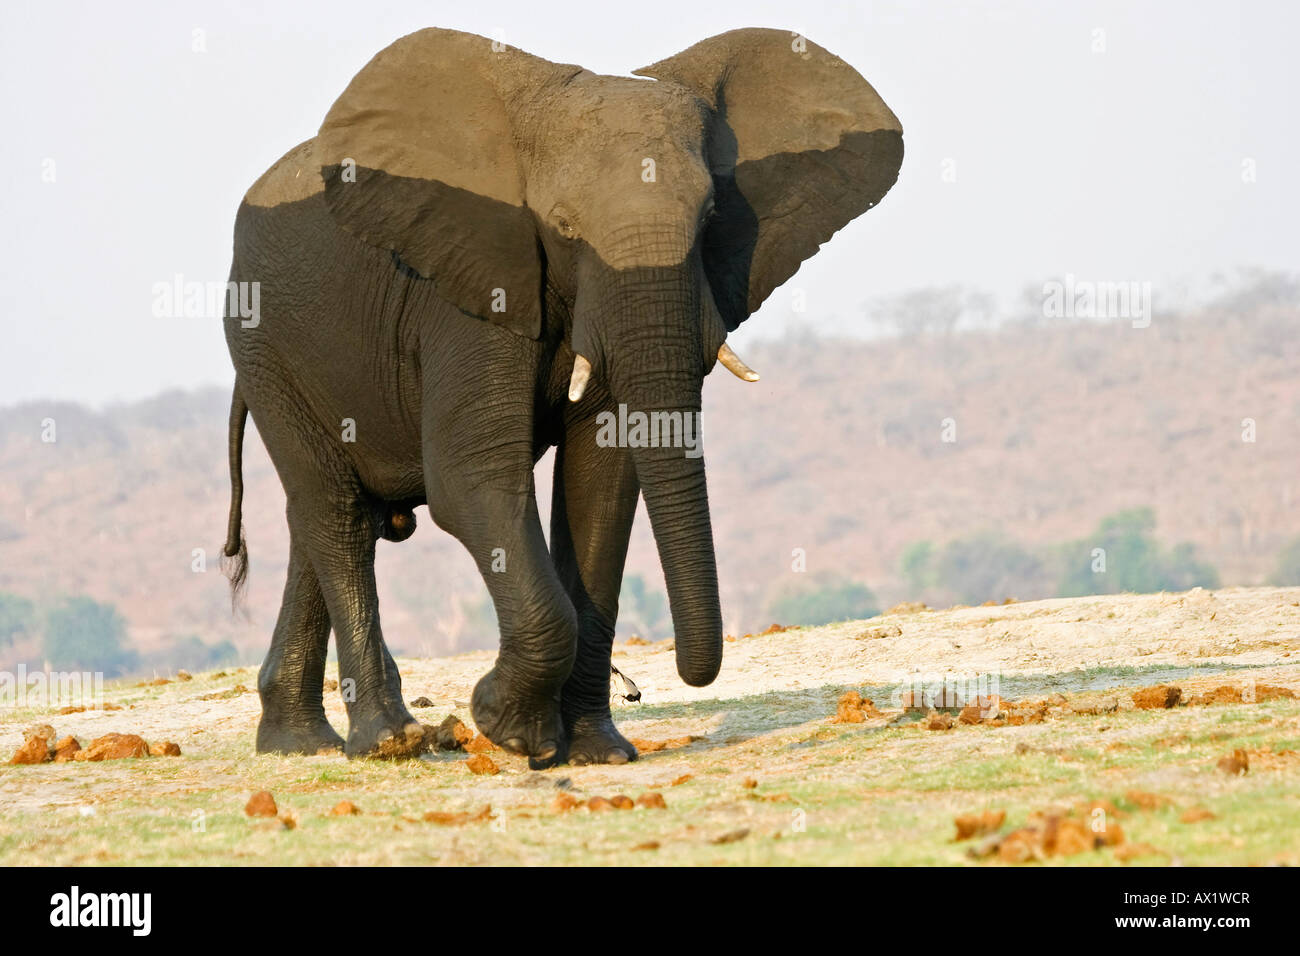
[466,222]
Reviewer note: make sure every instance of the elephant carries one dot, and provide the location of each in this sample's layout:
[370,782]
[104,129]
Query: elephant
[482,255]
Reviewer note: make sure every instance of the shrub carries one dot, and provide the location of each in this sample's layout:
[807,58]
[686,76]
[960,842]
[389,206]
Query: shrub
[823,602]
[1287,572]
[82,634]
[1133,560]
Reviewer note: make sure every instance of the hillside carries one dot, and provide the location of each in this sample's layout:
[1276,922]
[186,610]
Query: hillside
[839,451]
[1202,769]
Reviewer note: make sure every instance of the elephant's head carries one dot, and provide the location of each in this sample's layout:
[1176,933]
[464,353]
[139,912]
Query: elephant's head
[646,217]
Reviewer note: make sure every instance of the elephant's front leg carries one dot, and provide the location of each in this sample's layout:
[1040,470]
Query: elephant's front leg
[517,704]
[486,499]
[594,503]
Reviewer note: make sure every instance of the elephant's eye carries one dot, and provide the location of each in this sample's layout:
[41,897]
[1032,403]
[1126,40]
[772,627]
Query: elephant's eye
[566,228]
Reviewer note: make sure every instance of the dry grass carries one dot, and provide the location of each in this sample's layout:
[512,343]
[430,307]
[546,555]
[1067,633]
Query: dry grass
[771,780]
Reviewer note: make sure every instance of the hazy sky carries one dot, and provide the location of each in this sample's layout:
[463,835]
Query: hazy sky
[1113,165]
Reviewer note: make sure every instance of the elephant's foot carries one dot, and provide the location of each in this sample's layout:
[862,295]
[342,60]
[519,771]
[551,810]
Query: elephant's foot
[522,723]
[388,733]
[593,738]
[310,737]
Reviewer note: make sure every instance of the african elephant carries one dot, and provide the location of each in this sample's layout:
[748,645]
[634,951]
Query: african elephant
[478,254]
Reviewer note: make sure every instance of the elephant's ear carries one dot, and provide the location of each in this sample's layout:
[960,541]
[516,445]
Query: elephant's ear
[800,145]
[418,157]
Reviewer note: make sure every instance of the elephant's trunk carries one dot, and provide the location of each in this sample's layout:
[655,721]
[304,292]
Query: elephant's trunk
[656,371]
[678,502]
[643,327]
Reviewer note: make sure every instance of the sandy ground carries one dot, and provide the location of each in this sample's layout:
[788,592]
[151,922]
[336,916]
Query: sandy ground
[774,691]
[1236,626]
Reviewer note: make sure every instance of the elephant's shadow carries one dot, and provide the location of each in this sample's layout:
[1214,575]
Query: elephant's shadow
[744,718]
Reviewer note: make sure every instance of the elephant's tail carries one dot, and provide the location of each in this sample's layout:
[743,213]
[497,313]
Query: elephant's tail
[234,560]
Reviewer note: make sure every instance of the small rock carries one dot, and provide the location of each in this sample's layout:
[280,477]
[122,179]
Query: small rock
[731,836]
[937,721]
[979,824]
[452,734]
[599,805]
[482,764]
[345,808]
[1235,763]
[35,750]
[330,684]
[261,804]
[853,708]
[114,747]
[184,676]
[1020,846]
[647,845]
[1147,801]
[165,749]
[1195,815]
[564,802]
[684,778]
[652,800]
[421,702]
[1160,697]
[749,783]
[66,749]
[44,731]
[621,801]
[1066,837]
[447,819]
[479,745]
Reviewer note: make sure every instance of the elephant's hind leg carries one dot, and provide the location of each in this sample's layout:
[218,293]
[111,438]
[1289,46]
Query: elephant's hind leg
[292,676]
[341,531]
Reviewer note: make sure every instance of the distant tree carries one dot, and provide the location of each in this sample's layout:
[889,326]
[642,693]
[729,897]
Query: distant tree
[194,654]
[1287,572]
[915,564]
[1252,289]
[17,618]
[822,602]
[987,566]
[478,626]
[82,634]
[1123,555]
[643,611]
[937,310]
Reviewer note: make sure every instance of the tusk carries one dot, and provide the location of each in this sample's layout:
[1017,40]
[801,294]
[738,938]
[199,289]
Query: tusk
[578,381]
[734,365]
